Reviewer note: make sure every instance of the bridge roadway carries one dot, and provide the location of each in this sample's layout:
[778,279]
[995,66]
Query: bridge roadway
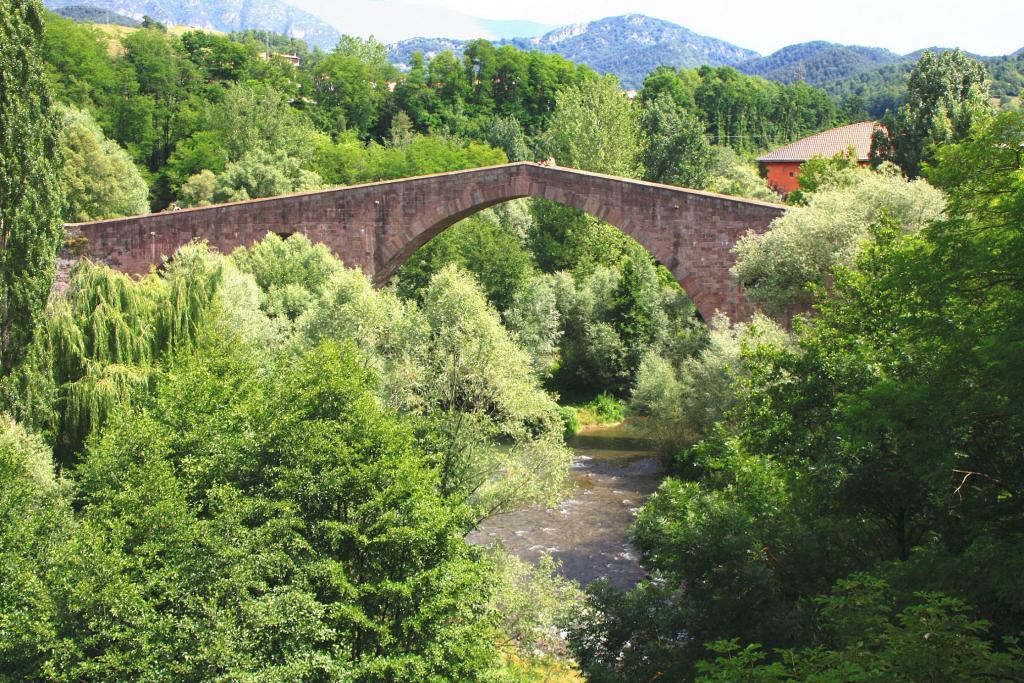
[377,226]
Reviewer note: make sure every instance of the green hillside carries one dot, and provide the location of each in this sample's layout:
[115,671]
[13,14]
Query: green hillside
[818,62]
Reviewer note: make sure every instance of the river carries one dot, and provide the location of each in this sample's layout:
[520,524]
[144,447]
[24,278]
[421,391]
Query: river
[611,477]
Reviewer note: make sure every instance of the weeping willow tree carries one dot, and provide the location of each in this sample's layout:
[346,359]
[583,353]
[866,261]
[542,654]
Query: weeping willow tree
[101,345]
[191,281]
[105,339]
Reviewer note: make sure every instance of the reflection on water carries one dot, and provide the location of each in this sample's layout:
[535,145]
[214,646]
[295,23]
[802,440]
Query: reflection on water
[612,475]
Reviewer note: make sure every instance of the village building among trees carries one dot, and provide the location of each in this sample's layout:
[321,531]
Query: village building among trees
[781,167]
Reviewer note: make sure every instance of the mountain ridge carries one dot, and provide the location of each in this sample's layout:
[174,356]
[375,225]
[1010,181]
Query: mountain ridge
[220,15]
[600,45]
[88,13]
[629,46]
[817,62]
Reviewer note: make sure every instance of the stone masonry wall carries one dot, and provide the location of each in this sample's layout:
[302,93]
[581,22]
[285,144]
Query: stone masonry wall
[376,227]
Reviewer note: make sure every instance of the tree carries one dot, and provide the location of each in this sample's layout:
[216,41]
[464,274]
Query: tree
[198,189]
[79,68]
[495,436]
[149,22]
[673,149]
[370,51]
[506,133]
[219,57]
[889,393]
[34,521]
[710,545]
[415,97]
[733,176]
[30,195]
[291,273]
[478,389]
[679,85]
[564,238]
[593,357]
[259,117]
[263,174]
[685,397]
[348,160]
[531,602]
[268,518]
[819,173]
[106,336]
[534,322]
[99,178]
[933,638]
[202,151]
[633,306]
[945,95]
[447,78]
[594,128]
[483,247]
[748,113]
[400,134]
[882,445]
[348,93]
[784,268]
[153,65]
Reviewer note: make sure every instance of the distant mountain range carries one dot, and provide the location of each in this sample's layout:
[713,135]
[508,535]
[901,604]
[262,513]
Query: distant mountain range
[848,71]
[818,62]
[221,15]
[629,46]
[97,16]
[515,29]
[632,46]
[401,52]
[393,20]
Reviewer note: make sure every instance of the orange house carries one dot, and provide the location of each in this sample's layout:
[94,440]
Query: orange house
[781,168]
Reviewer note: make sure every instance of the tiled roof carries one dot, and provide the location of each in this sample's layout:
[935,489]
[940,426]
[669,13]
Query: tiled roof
[828,144]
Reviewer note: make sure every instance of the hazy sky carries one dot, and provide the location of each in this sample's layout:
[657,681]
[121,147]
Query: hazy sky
[983,26]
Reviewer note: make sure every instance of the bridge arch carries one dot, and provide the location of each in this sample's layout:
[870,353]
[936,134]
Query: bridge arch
[452,210]
[378,226]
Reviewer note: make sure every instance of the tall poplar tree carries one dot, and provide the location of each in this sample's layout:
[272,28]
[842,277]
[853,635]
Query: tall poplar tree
[30,199]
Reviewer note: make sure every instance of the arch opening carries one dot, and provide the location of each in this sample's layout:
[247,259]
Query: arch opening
[588,332]
[571,216]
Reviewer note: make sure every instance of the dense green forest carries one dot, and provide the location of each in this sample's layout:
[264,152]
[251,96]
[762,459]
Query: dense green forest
[818,62]
[208,117]
[256,466]
[871,80]
[876,91]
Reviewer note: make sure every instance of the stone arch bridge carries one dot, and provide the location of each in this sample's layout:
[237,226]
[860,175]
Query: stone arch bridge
[378,226]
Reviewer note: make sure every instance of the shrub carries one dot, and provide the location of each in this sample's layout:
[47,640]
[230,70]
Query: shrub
[570,421]
[607,408]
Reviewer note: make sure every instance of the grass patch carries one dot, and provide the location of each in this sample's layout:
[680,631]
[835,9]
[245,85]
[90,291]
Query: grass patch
[546,670]
[603,409]
[115,34]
